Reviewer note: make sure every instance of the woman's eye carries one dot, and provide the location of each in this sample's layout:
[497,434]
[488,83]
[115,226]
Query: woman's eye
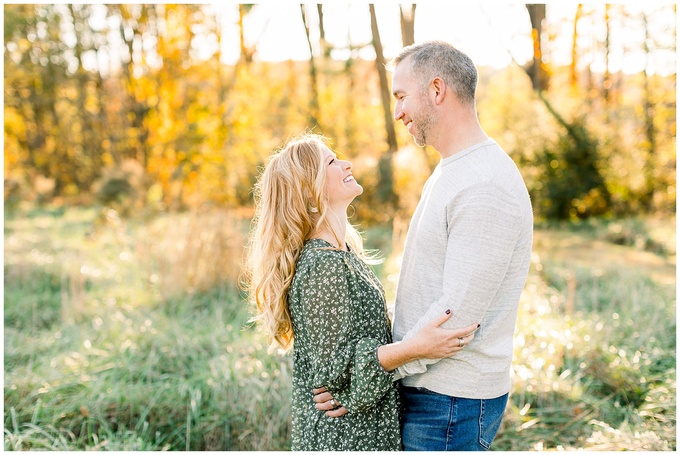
[331,161]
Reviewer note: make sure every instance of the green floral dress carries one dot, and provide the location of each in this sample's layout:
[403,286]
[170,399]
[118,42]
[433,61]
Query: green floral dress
[337,305]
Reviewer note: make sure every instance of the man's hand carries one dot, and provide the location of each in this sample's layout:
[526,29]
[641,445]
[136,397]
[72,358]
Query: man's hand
[325,402]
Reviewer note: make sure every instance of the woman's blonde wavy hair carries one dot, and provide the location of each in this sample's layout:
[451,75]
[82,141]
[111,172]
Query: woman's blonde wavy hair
[290,206]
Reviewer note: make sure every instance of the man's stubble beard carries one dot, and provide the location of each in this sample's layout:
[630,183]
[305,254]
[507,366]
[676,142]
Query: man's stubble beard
[423,122]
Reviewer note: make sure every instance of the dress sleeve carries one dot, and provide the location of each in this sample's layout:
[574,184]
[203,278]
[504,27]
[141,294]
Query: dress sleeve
[341,360]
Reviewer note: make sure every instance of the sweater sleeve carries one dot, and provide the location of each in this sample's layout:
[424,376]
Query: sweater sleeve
[342,361]
[483,226]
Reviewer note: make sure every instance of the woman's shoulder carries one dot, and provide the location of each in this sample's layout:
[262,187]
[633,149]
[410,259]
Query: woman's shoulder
[319,255]
[319,264]
[319,249]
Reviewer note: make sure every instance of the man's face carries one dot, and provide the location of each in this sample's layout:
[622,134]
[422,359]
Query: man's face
[413,107]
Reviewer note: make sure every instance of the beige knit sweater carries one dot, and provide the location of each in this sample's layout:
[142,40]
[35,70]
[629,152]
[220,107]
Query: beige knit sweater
[467,249]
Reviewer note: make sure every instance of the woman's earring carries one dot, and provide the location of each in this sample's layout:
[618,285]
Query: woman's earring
[314,210]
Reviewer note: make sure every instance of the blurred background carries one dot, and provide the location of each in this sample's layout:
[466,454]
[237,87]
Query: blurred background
[134,135]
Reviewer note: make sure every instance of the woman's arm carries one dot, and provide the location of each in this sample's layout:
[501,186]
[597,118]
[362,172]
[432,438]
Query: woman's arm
[431,342]
[341,359]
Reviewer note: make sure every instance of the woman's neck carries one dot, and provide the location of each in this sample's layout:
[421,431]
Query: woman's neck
[338,221]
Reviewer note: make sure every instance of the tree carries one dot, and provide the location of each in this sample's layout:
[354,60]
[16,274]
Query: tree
[607,83]
[650,130]
[385,96]
[39,92]
[540,78]
[88,100]
[407,19]
[575,186]
[325,45]
[658,113]
[133,21]
[246,51]
[386,191]
[573,77]
[313,82]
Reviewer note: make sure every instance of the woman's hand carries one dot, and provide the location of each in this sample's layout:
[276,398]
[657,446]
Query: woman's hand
[435,342]
[431,342]
[325,402]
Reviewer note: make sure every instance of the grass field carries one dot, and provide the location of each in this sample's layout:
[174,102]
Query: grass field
[133,335]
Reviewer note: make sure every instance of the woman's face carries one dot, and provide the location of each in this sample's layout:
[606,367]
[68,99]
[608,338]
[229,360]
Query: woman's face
[341,188]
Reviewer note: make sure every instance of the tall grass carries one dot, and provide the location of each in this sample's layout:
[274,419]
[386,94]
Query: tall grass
[132,335]
[595,351]
[124,336]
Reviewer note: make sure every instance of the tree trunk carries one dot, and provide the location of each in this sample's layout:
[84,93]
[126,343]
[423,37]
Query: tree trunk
[607,82]
[350,131]
[540,78]
[88,131]
[245,58]
[325,48]
[314,92]
[650,131]
[246,52]
[384,87]
[407,18]
[385,190]
[573,67]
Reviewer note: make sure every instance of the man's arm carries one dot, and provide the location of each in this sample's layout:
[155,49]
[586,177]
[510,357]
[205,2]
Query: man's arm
[483,228]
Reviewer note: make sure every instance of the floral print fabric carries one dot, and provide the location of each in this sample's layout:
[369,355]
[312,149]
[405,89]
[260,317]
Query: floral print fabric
[337,306]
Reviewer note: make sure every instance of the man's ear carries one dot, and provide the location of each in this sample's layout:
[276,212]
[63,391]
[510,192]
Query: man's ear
[439,88]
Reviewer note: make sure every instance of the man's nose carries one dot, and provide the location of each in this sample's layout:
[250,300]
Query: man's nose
[398,113]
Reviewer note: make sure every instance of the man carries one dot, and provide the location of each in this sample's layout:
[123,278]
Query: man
[468,248]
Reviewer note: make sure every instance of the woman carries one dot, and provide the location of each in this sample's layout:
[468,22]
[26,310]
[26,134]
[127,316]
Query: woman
[311,282]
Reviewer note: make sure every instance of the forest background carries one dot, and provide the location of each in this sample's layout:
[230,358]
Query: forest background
[134,134]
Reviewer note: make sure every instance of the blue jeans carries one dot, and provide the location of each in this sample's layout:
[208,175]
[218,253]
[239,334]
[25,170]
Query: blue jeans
[435,422]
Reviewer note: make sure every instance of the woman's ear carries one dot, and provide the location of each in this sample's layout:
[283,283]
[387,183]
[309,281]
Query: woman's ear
[313,203]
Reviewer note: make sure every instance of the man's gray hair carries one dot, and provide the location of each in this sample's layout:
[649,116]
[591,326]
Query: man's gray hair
[440,59]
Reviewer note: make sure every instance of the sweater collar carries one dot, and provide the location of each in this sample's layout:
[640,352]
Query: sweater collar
[463,153]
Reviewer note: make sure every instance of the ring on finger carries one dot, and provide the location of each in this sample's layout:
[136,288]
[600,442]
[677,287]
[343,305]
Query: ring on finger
[333,403]
[460,342]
